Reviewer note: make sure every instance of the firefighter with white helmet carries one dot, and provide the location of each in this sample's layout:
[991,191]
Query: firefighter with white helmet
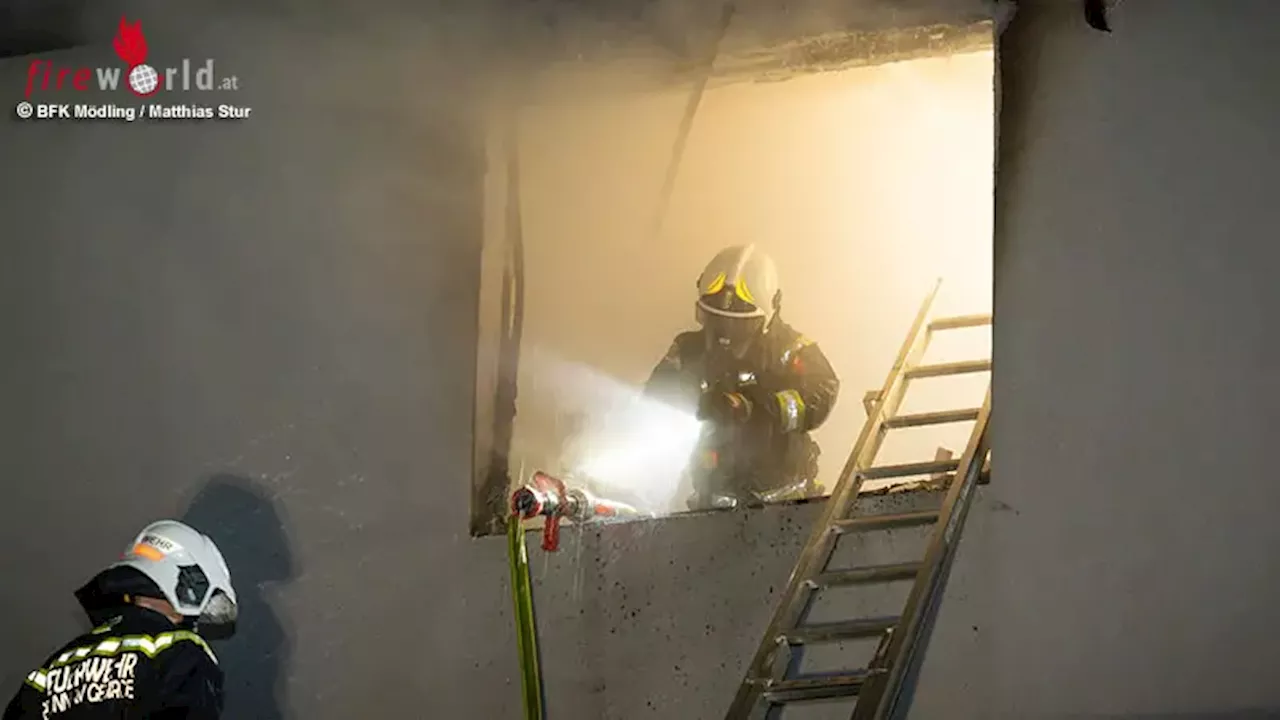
[760,385]
[148,655]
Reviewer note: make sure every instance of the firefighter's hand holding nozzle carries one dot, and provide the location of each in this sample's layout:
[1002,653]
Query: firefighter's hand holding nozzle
[724,407]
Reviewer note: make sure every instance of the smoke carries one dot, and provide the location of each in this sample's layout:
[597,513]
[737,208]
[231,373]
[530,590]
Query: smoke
[369,128]
[865,185]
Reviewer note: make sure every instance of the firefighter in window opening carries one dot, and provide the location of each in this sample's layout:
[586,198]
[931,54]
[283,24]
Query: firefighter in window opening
[759,386]
[147,656]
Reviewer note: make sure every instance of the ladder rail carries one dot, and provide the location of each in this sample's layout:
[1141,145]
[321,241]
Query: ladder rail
[902,700]
[842,498]
[883,695]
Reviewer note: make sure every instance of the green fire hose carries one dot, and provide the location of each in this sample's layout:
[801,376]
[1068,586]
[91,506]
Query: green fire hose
[526,621]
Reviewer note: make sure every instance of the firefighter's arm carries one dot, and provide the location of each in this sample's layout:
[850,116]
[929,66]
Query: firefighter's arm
[670,380]
[191,688]
[666,372]
[811,389]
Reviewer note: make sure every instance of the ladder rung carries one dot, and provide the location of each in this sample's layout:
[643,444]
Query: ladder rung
[818,687]
[960,321]
[941,369]
[837,631]
[909,469]
[867,574]
[932,418]
[885,522]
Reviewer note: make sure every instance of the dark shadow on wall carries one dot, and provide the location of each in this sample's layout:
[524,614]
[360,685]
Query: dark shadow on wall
[248,524]
[494,491]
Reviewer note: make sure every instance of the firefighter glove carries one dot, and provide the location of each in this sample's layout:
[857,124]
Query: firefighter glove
[724,407]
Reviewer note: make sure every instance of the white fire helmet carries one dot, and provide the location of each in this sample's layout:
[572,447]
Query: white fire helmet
[738,297]
[189,569]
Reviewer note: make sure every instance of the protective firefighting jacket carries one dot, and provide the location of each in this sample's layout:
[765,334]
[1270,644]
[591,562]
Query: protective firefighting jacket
[137,665]
[791,386]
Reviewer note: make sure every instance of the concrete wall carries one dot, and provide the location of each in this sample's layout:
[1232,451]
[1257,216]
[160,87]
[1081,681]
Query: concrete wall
[1137,399]
[235,322]
[290,308]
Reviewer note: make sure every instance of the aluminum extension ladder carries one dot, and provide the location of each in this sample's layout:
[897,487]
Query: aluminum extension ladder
[883,689]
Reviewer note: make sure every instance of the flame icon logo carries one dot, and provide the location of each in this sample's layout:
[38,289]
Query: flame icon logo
[131,46]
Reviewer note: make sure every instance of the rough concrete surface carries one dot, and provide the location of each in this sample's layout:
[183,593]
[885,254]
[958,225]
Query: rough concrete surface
[286,308]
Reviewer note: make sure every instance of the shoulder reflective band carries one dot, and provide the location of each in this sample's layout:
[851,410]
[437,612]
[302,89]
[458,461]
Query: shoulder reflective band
[793,351]
[148,645]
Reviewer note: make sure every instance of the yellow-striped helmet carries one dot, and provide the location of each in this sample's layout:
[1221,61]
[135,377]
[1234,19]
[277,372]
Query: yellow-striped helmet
[738,296]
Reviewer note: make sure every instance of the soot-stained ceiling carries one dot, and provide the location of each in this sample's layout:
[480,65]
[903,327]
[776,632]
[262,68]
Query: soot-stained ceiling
[779,33]
[35,26]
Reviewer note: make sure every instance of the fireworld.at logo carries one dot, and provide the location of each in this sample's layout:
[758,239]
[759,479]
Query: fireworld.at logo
[141,78]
